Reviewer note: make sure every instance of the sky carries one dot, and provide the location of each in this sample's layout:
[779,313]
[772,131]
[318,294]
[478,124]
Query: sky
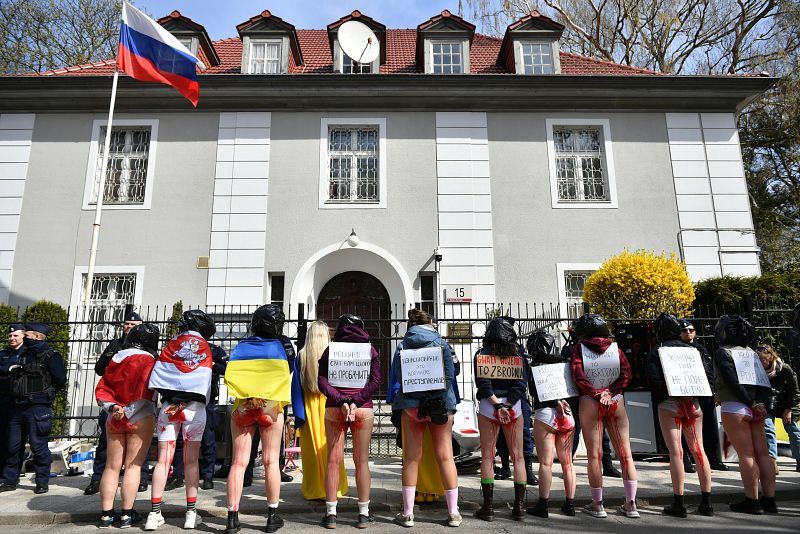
[221,17]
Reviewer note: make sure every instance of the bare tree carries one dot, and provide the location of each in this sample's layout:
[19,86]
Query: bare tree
[37,35]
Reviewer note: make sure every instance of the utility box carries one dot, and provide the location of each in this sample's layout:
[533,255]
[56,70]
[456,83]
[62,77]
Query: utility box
[639,406]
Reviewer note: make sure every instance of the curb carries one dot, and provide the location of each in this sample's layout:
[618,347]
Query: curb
[288,509]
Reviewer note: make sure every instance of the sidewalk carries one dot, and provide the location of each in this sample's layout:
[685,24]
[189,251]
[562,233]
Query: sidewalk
[65,503]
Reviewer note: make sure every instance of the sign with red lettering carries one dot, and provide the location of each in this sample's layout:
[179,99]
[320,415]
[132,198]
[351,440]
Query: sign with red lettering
[499,367]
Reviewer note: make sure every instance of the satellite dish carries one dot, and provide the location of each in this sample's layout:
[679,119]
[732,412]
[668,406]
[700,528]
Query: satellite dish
[358,42]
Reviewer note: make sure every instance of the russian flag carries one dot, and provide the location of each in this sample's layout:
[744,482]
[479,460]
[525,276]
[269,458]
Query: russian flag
[149,53]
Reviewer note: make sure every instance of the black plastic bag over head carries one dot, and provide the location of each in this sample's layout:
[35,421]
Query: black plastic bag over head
[349,319]
[591,325]
[734,330]
[267,321]
[199,321]
[667,327]
[542,348]
[143,336]
[501,331]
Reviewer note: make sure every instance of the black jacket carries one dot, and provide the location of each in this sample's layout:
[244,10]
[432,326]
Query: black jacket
[513,390]
[8,357]
[53,364]
[220,358]
[655,372]
[788,393]
[102,362]
[726,383]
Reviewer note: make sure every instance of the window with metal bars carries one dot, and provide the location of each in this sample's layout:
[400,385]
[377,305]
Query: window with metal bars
[110,294]
[581,173]
[353,164]
[126,178]
[447,57]
[574,282]
[265,57]
[537,58]
[349,66]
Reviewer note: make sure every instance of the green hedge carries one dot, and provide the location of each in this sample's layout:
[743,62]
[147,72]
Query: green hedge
[54,315]
[8,315]
[727,293]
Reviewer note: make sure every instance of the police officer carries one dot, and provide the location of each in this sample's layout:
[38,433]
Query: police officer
[208,446]
[131,319]
[36,378]
[8,357]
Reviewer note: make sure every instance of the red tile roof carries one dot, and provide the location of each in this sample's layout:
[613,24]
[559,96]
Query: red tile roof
[400,49]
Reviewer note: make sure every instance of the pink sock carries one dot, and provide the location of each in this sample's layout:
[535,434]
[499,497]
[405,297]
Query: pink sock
[408,499]
[452,500]
[597,494]
[630,490]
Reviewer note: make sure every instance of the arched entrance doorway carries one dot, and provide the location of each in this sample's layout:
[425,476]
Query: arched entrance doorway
[361,294]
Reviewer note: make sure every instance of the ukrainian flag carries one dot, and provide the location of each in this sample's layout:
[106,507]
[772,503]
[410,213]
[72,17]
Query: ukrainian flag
[258,369]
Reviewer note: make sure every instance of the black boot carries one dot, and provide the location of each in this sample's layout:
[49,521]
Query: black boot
[92,488]
[518,511]
[532,480]
[232,526]
[748,506]
[486,512]
[540,509]
[608,468]
[274,521]
[676,509]
[768,505]
[504,473]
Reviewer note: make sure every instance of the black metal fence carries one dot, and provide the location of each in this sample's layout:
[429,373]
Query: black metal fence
[463,325]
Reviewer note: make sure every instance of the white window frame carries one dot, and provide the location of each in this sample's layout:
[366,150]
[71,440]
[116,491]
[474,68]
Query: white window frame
[604,124]
[324,162]
[520,47]
[464,52]
[92,169]
[76,297]
[254,42]
[561,270]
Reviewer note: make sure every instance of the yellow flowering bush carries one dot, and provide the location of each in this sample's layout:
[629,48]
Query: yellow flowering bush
[640,284]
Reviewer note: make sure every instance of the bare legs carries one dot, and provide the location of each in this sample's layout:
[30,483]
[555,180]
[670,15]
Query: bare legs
[130,449]
[671,428]
[548,444]
[270,445]
[271,449]
[336,430]
[242,442]
[166,452]
[750,442]
[441,435]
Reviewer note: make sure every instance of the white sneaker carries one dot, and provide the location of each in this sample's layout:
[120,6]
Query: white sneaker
[629,510]
[595,510]
[404,520]
[192,519]
[454,520]
[154,520]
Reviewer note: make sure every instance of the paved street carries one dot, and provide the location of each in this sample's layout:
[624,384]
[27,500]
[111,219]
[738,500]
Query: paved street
[429,521]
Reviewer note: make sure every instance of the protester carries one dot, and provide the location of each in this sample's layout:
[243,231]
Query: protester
[787,403]
[308,404]
[678,417]
[123,393]
[182,376]
[553,427]
[35,379]
[501,407]
[425,413]
[349,407]
[258,379]
[602,405]
[8,357]
[744,408]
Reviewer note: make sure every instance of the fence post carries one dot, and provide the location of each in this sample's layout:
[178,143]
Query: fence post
[586,308]
[748,308]
[302,325]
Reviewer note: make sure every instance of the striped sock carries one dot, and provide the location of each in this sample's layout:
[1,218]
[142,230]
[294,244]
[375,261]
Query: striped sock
[191,504]
[155,505]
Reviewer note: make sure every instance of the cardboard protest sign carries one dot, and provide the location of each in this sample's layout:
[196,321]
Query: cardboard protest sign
[554,381]
[349,364]
[601,370]
[499,368]
[749,368]
[422,369]
[684,372]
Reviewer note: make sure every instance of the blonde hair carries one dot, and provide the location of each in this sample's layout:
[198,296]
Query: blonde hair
[769,351]
[317,340]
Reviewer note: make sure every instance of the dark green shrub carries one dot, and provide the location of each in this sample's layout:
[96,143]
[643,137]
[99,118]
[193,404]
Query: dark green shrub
[7,315]
[171,329]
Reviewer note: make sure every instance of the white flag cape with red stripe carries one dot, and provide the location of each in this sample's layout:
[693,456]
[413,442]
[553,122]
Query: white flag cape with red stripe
[184,365]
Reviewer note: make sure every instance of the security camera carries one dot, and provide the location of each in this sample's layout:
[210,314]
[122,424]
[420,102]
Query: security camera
[437,254]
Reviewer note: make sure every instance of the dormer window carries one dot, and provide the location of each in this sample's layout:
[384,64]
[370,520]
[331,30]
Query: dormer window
[537,58]
[344,64]
[191,35]
[351,67]
[265,57]
[447,57]
[443,44]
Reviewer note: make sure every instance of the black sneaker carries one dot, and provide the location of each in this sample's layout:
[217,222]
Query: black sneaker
[539,510]
[675,510]
[748,506]
[718,466]
[208,484]
[92,488]
[286,477]
[142,486]
[7,487]
[41,487]
[503,473]
[768,505]
[568,508]
[107,520]
[329,521]
[274,521]
[174,483]
[127,521]
[364,520]
[706,509]
[688,466]
[610,471]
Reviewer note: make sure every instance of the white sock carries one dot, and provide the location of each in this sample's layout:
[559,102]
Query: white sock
[330,507]
[273,504]
[363,508]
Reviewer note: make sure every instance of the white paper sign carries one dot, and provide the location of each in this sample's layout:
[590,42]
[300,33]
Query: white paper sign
[684,372]
[749,368]
[554,381]
[601,370]
[422,369]
[349,364]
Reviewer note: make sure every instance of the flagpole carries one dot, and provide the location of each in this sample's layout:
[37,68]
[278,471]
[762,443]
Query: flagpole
[98,210]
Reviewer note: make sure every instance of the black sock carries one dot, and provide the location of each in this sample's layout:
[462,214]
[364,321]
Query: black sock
[108,513]
[678,499]
[705,498]
[127,512]
[543,502]
[569,501]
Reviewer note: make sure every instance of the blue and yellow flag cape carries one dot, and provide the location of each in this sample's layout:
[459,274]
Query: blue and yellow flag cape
[258,369]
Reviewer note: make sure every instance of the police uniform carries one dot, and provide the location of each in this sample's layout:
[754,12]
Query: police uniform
[8,357]
[35,380]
